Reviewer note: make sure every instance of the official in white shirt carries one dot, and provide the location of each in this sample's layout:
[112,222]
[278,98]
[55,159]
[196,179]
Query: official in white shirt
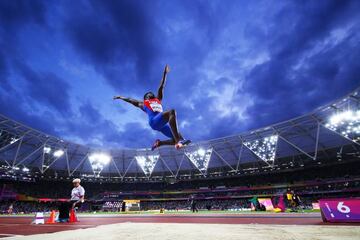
[77,193]
[77,197]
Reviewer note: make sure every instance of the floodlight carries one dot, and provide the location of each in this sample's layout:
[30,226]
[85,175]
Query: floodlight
[101,158]
[346,123]
[47,149]
[200,158]
[201,152]
[147,163]
[98,162]
[264,148]
[58,153]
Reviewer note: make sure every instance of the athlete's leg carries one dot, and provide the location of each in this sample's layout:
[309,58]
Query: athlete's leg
[159,143]
[166,130]
[167,125]
[170,116]
[167,142]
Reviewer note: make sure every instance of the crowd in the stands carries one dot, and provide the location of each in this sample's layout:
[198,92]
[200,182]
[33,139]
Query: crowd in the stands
[23,207]
[225,193]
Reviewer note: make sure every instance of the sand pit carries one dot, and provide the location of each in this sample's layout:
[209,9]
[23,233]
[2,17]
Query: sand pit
[173,231]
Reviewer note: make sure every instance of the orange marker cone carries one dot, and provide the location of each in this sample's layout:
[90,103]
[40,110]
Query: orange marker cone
[73,217]
[51,218]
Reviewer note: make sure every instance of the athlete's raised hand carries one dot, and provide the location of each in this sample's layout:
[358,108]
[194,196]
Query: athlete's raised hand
[167,69]
[162,83]
[117,97]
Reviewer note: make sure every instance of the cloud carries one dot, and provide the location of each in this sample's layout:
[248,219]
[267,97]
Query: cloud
[135,136]
[14,16]
[20,12]
[47,88]
[91,128]
[234,66]
[121,45]
[12,106]
[280,84]
[4,73]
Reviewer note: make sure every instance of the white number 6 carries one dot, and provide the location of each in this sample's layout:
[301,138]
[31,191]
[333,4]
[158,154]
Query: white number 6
[343,208]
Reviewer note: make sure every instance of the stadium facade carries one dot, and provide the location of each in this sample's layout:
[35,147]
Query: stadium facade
[328,135]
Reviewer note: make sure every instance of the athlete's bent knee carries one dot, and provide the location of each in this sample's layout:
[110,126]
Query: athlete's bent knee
[173,112]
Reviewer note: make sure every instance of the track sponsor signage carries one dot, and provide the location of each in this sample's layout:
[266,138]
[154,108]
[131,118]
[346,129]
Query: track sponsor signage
[340,210]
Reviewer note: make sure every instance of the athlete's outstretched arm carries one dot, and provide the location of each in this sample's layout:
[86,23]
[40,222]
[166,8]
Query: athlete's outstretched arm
[134,102]
[162,83]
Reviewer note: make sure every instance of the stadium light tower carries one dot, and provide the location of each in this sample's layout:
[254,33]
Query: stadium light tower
[147,163]
[98,161]
[264,148]
[346,123]
[200,158]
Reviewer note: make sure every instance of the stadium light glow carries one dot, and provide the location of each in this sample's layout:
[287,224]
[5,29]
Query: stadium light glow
[264,148]
[346,123]
[47,149]
[147,163]
[201,152]
[200,158]
[98,161]
[58,153]
[25,169]
[13,140]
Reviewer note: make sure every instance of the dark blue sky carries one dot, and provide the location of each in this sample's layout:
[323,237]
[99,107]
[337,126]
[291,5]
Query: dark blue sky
[235,65]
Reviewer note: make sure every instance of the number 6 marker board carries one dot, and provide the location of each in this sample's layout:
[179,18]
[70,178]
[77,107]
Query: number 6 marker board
[340,209]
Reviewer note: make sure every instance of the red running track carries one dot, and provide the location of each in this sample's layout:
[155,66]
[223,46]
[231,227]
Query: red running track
[16,225]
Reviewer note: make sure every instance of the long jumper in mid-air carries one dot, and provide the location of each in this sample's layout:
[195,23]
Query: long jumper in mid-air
[159,120]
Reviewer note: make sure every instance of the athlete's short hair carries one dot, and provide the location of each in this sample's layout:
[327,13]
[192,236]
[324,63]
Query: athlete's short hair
[149,95]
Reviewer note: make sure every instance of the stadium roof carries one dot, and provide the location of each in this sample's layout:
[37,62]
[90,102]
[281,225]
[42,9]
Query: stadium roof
[308,138]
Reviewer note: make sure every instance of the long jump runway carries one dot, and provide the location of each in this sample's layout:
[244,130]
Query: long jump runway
[21,225]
